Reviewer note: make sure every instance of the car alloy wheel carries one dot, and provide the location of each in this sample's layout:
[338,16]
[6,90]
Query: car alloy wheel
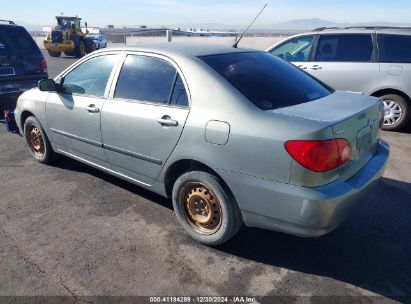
[392,112]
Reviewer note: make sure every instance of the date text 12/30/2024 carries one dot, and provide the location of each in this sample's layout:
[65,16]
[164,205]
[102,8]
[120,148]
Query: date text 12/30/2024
[203,299]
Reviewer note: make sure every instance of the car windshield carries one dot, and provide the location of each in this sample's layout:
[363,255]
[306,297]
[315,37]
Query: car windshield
[16,40]
[269,82]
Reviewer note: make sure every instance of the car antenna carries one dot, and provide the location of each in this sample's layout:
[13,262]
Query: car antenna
[246,30]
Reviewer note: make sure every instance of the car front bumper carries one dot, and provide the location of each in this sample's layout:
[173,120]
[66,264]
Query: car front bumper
[300,210]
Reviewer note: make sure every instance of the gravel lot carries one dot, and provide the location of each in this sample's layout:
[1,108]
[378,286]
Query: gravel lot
[70,230]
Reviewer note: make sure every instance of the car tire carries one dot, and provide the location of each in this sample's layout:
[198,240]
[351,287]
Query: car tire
[80,49]
[93,48]
[396,112]
[204,207]
[37,141]
[54,54]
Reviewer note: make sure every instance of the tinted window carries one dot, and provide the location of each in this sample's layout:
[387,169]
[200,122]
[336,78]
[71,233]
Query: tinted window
[394,48]
[269,82]
[179,96]
[16,40]
[145,78]
[348,48]
[296,49]
[90,77]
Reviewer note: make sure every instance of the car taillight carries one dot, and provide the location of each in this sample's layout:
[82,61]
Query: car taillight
[43,66]
[320,155]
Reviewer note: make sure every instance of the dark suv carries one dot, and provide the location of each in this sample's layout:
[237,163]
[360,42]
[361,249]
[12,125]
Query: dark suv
[22,64]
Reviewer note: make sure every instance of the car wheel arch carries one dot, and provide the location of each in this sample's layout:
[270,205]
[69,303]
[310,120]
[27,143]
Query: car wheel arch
[179,167]
[23,117]
[387,91]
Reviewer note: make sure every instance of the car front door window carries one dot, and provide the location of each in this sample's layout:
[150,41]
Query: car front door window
[91,77]
[294,50]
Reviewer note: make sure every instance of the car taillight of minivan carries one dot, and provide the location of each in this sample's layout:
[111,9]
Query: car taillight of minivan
[43,66]
[320,155]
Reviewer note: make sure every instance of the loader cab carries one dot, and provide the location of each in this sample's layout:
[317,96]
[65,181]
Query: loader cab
[69,24]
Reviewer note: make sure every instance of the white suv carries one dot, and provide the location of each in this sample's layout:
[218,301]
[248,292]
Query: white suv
[371,60]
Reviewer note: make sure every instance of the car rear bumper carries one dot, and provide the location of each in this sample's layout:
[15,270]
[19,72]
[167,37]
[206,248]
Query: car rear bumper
[300,210]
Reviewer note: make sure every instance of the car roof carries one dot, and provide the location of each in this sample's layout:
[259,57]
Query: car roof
[188,49]
[8,25]
[10,22]
[362,29]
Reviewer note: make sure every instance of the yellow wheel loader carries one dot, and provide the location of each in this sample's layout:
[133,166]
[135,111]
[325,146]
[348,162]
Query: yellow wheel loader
[68,38]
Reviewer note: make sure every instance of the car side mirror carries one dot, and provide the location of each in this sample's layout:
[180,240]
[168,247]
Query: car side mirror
[47,85]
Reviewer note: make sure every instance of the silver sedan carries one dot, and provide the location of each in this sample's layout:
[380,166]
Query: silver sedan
[232,136]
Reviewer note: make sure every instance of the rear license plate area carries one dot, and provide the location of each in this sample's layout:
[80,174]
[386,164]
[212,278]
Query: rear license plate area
[7,72]
[364,140]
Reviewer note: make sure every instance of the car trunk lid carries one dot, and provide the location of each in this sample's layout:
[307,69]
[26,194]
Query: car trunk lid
[362,130]
[351,116]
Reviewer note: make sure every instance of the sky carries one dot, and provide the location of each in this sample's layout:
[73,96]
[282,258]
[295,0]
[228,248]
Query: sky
[235,12]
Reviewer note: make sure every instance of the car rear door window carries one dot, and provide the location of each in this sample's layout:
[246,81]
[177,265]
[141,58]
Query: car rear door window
[267,81]
[90,77]
[394,48]
[345,48]
[295,50]
[146,78]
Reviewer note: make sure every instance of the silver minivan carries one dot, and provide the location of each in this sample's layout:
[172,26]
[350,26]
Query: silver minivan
[372,60]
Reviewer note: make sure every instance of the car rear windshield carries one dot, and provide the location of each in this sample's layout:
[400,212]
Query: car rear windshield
[16,40]
[269,82]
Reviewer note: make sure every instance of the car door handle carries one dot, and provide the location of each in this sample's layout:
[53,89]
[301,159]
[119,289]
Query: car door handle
[316,67]
[167,121]
[304,67]
[92,109]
